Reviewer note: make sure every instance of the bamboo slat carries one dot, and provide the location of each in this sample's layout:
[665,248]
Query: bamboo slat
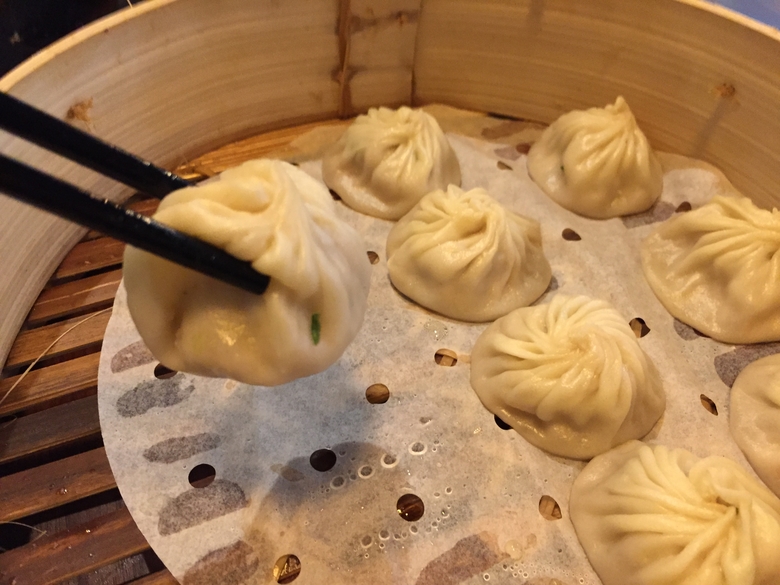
[89,256]
[55,484]
[162,578]
[31,344]
[87,294]
[41,386]
[51,559]
[48,429]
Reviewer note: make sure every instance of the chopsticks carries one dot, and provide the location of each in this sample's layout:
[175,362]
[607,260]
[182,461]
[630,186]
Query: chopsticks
[38,127]
[33,187]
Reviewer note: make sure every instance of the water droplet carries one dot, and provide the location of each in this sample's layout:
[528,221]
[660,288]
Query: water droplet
[514,549]
[436,494]
[367,541]
[445,513]
[413,529]
[448,490]
[396,536]
[366,471]
[366,555]
[384,534]
[337,482]
[381,545]
[486,577]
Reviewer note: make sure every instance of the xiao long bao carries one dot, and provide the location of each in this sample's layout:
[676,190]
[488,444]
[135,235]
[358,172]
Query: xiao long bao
[461,254]
[649,515]
[717,269]
[597,163]
[569,376]
[754,416]
[282,221]
[388,159]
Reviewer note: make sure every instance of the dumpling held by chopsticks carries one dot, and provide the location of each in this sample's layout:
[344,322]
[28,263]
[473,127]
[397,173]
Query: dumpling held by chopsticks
[283,221]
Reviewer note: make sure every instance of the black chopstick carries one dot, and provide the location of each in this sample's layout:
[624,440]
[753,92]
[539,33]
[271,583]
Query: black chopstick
[50,194]
[40,128]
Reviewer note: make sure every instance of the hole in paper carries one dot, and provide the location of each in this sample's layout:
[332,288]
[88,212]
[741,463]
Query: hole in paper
[446,357]
[549,508]
[162,372]
[708,404]
[323,460]
[287,569]
[373,257]
[639,327]
[410,507]
[202,475]
[377,394]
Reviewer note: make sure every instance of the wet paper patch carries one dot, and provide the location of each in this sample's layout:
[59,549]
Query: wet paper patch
[134,355]
[729,365]
[153,394]
[199,505]
[232,565]
[178,448]
[469,557]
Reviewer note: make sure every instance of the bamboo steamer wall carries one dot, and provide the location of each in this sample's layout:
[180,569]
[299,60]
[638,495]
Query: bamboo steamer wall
[171,79]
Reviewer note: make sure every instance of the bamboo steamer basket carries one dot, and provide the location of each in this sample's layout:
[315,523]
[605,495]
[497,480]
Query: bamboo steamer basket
[172,79]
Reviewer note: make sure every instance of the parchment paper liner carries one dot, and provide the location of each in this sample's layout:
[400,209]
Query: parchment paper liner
[481,485]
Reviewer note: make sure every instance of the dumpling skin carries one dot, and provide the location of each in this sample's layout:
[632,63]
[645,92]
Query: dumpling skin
[388,159]
[282,221]
[649,515]
[569,376]
[597,163]
[463,255]
[754,415]
[717,268]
